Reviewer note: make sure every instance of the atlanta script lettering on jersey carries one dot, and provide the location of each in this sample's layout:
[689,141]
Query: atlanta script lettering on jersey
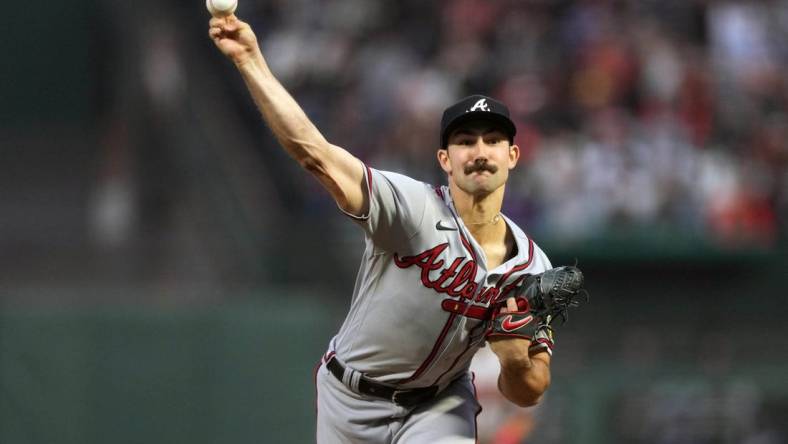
[458,279]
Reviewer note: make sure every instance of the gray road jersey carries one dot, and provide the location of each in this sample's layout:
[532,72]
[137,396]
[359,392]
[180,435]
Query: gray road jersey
[420,304]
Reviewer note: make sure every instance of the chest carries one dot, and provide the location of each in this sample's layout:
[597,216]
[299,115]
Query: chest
[497,248]
[495,242]
[496,254]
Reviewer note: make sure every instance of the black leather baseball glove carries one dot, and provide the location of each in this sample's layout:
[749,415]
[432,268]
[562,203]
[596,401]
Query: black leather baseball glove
[543,298]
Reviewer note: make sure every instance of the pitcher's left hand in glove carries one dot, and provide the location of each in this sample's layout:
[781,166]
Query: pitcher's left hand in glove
[544,297]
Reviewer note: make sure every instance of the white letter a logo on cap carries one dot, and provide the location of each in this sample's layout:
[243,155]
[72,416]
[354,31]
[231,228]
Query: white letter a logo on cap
[480,105]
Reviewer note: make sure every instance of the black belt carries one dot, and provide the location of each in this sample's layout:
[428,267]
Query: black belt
[405,398]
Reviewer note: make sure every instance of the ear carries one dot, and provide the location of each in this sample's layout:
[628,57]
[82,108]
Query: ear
[443,160]
[514,156]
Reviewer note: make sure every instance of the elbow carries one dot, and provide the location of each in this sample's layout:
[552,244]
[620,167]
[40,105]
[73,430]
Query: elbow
[310,154]
[529,401]
[525,384]
[528,398]
[313,165]
[319,169]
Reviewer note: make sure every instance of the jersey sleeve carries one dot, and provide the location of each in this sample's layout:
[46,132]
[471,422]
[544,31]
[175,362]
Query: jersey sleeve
[397,204]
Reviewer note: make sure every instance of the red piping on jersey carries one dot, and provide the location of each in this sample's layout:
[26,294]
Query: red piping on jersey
[467,244]
[455,307]
[522,266]
[474,263]
[467,347]
[464,240]
[434,351]
[479,312]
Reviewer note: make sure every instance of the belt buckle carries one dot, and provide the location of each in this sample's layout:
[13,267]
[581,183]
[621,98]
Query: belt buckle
[395,394]
[411,397]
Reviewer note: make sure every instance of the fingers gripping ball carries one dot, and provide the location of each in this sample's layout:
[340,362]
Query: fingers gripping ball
[221,8]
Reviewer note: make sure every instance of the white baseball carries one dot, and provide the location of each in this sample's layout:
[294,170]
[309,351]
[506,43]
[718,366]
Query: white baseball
[221,8]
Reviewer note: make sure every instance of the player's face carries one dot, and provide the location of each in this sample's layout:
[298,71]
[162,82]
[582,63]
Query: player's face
[478,158]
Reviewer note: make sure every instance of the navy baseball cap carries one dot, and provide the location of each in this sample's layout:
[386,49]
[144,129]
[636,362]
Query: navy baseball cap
[476,107]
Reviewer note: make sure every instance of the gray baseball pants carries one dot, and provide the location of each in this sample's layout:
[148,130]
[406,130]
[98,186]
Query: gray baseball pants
[346,417]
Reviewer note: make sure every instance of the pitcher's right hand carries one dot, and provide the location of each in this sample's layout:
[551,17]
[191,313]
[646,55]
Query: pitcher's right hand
[235,39]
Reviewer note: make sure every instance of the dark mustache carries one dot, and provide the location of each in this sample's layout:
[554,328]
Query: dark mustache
[480,165]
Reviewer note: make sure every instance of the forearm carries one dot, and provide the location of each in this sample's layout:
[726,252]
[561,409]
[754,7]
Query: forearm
[290,125]
[523,380]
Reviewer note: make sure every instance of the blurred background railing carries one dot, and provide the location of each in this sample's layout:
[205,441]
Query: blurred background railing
[157,249]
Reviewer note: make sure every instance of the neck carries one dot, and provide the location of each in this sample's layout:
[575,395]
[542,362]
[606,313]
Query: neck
[480,213]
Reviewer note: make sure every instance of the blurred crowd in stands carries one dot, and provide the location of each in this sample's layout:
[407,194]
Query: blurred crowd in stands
[632,115]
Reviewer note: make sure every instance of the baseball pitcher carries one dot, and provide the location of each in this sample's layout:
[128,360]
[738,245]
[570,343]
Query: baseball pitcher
[442,274]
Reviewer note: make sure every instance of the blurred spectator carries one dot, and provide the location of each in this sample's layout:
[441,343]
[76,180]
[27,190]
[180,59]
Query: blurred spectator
[631,114]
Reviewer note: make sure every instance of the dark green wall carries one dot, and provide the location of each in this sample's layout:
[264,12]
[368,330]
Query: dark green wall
[240,375]
[244,374]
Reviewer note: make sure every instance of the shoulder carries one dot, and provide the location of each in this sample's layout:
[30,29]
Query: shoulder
[400,182]
[397,178]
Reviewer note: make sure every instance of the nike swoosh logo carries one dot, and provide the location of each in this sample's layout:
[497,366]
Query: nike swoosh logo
[509,325]
[441,227]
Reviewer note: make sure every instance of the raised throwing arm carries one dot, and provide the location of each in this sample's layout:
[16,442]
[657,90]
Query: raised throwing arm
[341,173]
